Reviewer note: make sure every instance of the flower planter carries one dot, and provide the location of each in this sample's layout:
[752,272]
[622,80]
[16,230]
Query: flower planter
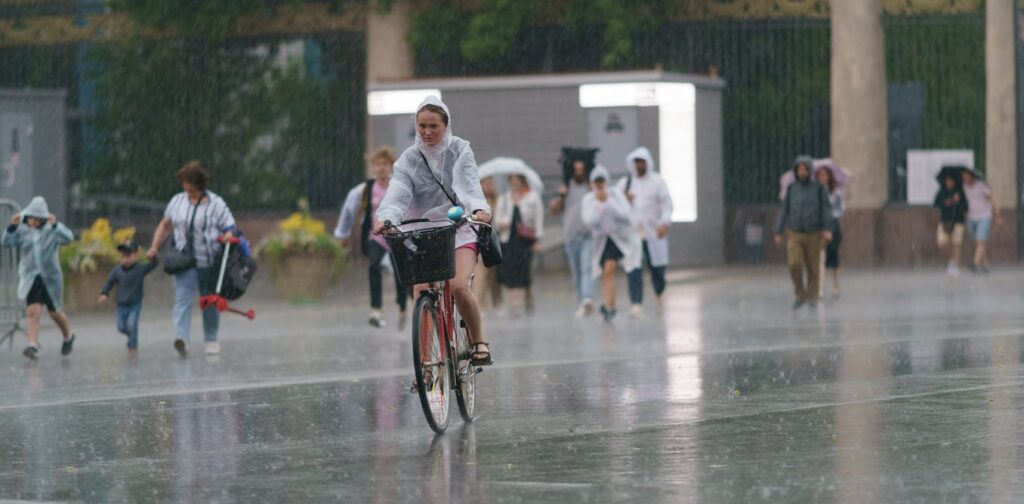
[304,275]
[82,290]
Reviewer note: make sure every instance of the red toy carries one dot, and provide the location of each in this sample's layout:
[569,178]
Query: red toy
[215,300]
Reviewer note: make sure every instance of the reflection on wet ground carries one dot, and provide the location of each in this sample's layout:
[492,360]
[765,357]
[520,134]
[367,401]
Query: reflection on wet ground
[907,388]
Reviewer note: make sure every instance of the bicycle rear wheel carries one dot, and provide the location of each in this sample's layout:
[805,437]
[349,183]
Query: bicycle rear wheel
[431,365]
[465,372]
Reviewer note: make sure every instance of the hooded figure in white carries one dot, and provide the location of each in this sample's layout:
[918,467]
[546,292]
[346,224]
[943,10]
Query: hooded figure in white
[415,188]
[652,204]
[39,251]
[610,220]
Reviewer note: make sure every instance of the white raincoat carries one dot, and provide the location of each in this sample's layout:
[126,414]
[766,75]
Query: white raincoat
[652,204]
[39,252]
[414,193]
[611,219]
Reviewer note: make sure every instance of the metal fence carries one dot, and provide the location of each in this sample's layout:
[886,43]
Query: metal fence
[11,310]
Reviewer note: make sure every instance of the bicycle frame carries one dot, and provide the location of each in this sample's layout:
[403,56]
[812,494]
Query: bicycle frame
[445,303]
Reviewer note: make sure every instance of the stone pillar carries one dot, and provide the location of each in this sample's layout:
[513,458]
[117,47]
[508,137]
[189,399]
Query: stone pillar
[388,55]
[859,116]
[1000,102]
[860,126]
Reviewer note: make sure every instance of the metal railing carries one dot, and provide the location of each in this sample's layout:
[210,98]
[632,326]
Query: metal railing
[11,310]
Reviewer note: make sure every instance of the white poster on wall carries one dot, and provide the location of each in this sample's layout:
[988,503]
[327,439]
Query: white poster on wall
[924,165]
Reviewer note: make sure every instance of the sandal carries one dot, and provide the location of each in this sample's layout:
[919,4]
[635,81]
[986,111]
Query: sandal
[481,354]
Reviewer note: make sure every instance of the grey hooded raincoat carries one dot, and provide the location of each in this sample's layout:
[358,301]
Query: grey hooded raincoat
[39,251]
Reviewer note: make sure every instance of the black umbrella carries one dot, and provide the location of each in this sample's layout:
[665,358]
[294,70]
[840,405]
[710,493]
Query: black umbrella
[571,155]
[956,171]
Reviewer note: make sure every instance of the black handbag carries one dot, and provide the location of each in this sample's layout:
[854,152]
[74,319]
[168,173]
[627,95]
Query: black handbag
[177,261]
[488,243]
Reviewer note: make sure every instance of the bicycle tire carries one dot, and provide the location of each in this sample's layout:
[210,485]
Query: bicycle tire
[433,398]
[463,370]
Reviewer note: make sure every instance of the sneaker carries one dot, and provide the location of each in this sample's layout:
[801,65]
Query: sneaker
[586,309]
[973,268]
[812,304]
[68,346]
[212,348]
[376,320]
[636,311]
[607,313]
[797,304]
[181,347]
[952,270]
[32,352]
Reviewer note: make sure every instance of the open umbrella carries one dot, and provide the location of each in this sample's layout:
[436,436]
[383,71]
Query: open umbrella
[957,172]
[842,176]
[505,166]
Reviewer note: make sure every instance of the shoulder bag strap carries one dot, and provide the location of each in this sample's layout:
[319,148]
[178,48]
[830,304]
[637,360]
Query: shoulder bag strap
[445,191]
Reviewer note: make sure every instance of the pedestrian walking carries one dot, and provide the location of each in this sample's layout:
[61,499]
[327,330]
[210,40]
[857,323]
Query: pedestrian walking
[804,221]
[360,205]
[952,204]
[606,212]
[576,236]
[981,213]
[196,219]
[485,280]
[38,235]
[129,278]
[837,201]
[648,194]
[519,217]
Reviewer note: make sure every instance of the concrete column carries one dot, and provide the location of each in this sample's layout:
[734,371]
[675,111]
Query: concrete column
[388,55]
[1000,102]
[859,116]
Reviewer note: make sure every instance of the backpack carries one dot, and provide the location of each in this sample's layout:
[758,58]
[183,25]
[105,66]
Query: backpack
[238,273]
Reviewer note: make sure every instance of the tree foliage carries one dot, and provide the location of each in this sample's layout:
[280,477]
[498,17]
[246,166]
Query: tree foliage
[491,30]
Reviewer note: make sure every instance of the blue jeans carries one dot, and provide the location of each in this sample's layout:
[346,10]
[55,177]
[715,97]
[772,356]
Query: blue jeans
[128,322]
[186,284]
[580,255]
[636,279]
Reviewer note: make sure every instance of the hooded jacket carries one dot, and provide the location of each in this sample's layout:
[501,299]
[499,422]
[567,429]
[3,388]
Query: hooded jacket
[652,204]
[806,207]
[414,192]
[611,220]
[39,251]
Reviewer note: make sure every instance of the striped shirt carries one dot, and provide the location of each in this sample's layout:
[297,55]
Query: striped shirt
[213,218]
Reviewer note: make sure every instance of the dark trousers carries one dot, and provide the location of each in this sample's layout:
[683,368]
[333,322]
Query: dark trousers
[636,279]
[376,254]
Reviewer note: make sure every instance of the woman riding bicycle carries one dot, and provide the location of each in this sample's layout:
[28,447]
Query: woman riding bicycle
[427,177]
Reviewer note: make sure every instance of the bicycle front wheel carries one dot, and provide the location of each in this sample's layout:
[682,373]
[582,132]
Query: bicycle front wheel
[430,362]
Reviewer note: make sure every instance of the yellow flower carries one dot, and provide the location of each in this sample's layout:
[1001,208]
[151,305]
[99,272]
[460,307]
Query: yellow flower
[124,234]
[293,223]
[101,230]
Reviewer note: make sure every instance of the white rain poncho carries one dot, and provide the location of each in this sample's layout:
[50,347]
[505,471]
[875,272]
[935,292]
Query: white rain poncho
[652,204]
[611,220]
[39,252]
[413,192]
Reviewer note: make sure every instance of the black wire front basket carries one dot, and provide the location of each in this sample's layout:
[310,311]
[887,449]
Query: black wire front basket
[423,255]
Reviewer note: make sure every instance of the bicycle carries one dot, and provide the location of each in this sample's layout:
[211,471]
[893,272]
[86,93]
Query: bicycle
[440,337]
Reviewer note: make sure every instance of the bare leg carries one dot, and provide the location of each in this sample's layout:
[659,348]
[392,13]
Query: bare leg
[609,283]
[981,254]
[469,308]
[835,279]
[61,319]
[33,313]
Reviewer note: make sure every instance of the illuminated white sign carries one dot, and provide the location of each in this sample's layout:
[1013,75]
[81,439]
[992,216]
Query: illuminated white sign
[397,102]
[677,136]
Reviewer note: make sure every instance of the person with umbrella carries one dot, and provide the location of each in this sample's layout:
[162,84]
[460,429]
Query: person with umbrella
[981,212]
[519,217]
[804,221]
[952,204]
[828,176]
[576,236]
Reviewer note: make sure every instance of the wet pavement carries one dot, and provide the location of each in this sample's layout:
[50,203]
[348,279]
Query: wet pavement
[909,388]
